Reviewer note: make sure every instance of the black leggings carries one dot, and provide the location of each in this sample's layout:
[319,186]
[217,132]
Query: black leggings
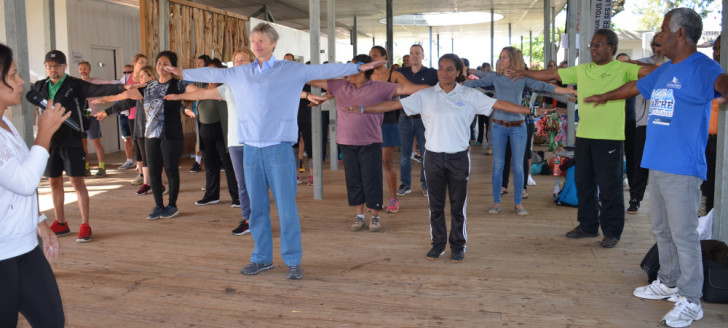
[141,148]
[215,155]
[167,153]
[28,286]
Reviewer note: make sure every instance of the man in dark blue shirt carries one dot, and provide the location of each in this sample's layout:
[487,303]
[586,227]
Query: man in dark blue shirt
[411,126]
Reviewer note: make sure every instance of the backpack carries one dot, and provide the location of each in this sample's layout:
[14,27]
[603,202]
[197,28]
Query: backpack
[651,263]
[567,196]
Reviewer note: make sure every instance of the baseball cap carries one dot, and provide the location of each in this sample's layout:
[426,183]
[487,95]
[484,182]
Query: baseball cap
[56,56]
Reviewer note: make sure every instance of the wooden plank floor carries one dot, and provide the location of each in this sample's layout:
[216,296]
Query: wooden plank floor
[184,272]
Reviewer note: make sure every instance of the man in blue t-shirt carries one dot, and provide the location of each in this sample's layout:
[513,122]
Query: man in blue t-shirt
[680,93]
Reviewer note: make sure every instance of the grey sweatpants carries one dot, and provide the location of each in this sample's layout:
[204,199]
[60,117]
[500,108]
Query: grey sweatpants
[674,203]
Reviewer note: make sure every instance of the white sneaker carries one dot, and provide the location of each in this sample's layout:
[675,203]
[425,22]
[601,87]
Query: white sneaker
[655,291]
[531,182]
[683,314]
[127,165]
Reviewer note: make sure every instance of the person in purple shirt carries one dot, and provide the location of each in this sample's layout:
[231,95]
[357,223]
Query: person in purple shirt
[266,95]
[360,137]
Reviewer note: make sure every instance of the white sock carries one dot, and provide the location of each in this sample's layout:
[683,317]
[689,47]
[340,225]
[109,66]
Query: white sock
[361,216]
[198,158]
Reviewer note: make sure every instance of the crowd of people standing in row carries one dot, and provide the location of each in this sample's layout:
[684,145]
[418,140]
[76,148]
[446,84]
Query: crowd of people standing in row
[436,107]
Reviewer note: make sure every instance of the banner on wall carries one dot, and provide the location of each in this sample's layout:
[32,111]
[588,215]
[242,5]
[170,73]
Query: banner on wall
[602,13]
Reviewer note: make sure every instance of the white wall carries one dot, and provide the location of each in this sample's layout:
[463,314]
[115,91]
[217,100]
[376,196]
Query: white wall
[298,43]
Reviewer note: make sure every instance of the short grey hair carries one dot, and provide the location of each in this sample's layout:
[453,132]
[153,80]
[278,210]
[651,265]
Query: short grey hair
[689,20]
[266,29]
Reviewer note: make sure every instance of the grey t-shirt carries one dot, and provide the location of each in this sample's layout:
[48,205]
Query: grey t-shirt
[511,91]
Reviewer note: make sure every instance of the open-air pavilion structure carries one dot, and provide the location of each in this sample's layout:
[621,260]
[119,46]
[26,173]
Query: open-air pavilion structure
[183,272]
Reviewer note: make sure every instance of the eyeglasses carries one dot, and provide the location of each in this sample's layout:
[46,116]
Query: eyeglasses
[54,66]
[128,72]
[596,45]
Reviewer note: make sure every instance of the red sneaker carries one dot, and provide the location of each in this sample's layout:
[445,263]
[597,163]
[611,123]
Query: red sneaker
[60,229]
[143,190]
[84,233]
[393,205]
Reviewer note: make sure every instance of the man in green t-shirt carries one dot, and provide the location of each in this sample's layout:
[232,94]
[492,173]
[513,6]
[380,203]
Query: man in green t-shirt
[599,138]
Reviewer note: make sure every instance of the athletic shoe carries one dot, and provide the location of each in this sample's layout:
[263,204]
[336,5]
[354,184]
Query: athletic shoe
[127,165]
[504,190]
[478,143]
[235,204]
[375,224]
[683,314]
[84,233]
[156,213]
[358,224]
[435,252]
[255,268]
[578,233]
[417,158]
[634,206]
[101,173]
[294,272]
[655,291]
[137,181]
[169,212]
[521,211]
[424,191]
[88,173]
[393,205]
[196,167]
[298,179]
[531,182]
[203,202]
[164,190]
[242,229]
[60,229]
[143,190]
[403,190]
[310,180]
[458,256]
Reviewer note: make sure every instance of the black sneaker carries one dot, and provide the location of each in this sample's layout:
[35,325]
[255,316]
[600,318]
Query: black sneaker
[634,206]
[254,268]
[196,167]
[156,213]
[403,190]
[457,256]
[203,202]
[242,229]
[435,252]
[578,233]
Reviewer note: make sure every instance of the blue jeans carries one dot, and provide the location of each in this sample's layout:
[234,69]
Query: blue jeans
[236,155]
[499,137]
[274,167]
[409,128]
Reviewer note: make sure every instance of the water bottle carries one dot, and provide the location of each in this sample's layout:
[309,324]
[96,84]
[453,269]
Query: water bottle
[557,164]
[557,189]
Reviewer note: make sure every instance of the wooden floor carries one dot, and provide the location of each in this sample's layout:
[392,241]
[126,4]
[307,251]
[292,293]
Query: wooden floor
[184,272]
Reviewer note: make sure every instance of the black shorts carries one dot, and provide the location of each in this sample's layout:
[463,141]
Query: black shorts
[69,159]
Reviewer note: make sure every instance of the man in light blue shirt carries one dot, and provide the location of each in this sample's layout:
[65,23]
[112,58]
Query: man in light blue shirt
[266,99]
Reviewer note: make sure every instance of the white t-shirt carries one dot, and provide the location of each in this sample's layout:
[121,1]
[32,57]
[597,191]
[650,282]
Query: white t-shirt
[447,116]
